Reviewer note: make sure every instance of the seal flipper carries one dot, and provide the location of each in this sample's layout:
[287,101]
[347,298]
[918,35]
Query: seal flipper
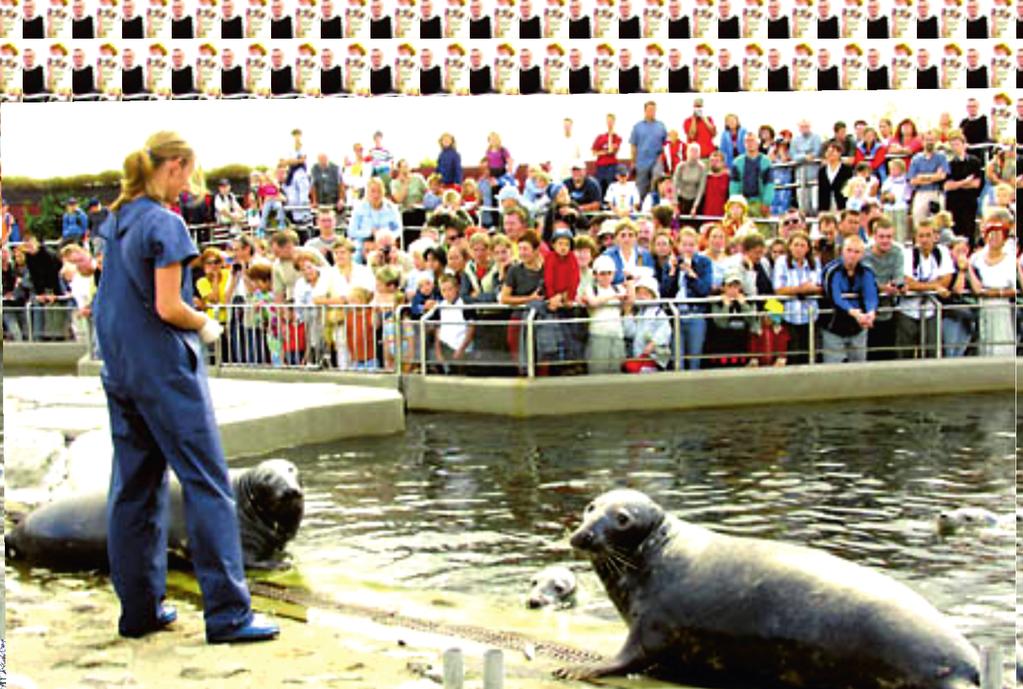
[629,660]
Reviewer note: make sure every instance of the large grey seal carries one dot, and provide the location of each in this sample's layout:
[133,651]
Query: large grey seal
[71,533]
[718,610]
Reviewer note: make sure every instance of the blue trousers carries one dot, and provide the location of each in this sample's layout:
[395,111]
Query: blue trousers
[694,333]
[147,437]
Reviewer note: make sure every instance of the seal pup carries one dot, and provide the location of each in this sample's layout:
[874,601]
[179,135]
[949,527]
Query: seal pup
[71,533]
[715,610]
[552,586]
[951,521]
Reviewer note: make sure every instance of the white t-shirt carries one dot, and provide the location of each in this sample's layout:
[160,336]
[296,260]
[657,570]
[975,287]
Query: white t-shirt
[927,270]
[622,196]
[1001,275]
[453,327]
[607,319]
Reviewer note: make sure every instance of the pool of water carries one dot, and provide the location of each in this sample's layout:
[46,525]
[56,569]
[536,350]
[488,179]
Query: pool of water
[476,504]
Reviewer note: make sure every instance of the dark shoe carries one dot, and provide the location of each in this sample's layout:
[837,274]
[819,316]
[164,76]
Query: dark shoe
[259,629]
[167,615]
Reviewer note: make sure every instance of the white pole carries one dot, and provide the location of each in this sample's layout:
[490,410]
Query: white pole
[493,669]
[991,668]
[453,670]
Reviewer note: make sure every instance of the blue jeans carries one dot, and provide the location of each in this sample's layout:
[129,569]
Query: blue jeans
[15,323]
[955,336]
[694,333]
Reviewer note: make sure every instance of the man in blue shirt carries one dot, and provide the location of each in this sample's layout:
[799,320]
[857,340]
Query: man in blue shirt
[74,225]
[647,139]
[927,172]
[851,296]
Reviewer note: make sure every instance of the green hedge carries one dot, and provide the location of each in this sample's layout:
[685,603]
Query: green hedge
[80,183]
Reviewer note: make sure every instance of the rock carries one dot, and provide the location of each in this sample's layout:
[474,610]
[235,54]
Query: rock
[89,461]
[222,671]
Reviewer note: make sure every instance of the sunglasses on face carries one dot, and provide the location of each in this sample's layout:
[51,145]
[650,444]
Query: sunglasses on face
[791,221]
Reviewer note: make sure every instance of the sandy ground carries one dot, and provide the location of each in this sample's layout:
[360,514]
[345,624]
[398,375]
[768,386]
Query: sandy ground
[62,635]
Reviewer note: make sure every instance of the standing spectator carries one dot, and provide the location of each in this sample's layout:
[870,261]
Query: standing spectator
[885,258]
[962,187]
[851,295]
[326,188]
[407,190]
[646,140]
[695,281]
[733,139]
[751,176]
[380,159]
[691,181]
[74,224]
[975,125]
[227,211]
[832,178]
[605,149]
[873,151]
[700,130]
[500,171]
[896,194]
[17,288]
[285,274]
[805,148]
[928,267]
[927,171]
[797,274]
[449,162]
[958,315]
[716,190]
[566,152]
[629,260]
[583,189]
[97,215]
[47,288]
[994,278]
[373,214]
[605,350]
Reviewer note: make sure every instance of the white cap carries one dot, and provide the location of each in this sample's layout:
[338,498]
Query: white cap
[604,264]
[648,282]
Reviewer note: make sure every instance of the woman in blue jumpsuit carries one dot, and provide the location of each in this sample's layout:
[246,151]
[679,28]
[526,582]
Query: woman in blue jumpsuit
[160,411]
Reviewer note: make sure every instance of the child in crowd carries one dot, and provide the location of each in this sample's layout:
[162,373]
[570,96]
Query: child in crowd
[259,305]
[360,333]
[622,195]
[943,226]
[732,323]
[558,341]
[895,195]
[387,300]
[253,221]
[434,195]
[605,350]
[648,329]
[771,346]
[855,191]
[454,337]
[426,294]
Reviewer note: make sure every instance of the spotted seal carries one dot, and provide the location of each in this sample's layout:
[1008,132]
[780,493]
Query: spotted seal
[552,586]
[71,533]
[714,610]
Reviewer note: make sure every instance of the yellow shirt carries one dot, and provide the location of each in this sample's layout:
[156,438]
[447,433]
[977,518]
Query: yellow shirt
[205,289]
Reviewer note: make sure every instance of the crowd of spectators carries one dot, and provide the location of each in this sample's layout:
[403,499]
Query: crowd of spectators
[746,235]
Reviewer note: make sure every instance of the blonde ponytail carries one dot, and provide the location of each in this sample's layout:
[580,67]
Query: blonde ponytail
[140,167]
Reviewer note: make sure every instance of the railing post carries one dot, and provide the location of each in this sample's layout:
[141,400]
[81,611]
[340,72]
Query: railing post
[530,346]
[400,335]
[676,324]
[991,668]
[939,316]
[811,339]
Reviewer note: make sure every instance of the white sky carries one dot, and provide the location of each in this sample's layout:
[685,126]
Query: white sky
[59,139]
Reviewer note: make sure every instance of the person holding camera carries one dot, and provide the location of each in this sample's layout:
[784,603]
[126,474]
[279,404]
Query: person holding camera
[700,130]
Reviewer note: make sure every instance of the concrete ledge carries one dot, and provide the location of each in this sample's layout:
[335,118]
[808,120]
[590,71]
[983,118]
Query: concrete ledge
[387,381]
[254,418]
[707,389]
[51,355]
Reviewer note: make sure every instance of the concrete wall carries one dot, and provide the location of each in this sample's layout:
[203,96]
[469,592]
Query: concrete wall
[705,389]
[43,355]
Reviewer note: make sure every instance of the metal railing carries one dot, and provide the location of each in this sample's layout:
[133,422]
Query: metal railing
[531,341]
[59,321]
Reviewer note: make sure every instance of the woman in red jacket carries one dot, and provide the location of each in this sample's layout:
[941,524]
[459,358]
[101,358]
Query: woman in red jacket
[561,285]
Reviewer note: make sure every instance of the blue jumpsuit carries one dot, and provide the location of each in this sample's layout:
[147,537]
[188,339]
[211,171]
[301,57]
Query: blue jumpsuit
[154,376]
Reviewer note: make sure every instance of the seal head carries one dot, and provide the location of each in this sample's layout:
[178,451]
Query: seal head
[271,504]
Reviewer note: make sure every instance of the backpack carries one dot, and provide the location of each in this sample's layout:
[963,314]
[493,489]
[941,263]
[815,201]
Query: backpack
[916,257]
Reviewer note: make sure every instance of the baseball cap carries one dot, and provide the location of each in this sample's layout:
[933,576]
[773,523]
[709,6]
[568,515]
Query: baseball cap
[604,264]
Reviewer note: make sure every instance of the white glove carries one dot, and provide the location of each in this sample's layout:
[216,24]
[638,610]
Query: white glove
[210,331]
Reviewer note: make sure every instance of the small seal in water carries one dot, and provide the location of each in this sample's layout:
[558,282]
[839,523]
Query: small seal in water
[951,521]
[710,609]
[554,586]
